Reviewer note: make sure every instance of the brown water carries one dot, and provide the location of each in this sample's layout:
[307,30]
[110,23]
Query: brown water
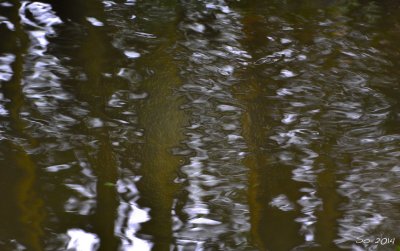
[199,125]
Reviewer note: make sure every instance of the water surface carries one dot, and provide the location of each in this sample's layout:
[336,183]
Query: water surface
[199,125]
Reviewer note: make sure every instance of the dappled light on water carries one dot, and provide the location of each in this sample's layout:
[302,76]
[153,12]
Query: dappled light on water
[199,125]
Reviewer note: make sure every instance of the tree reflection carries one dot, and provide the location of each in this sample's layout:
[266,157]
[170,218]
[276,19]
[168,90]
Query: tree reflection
[22,208]
[96,52]
[162,119]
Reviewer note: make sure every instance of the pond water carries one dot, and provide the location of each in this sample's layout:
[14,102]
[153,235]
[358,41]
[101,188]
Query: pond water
[199,125]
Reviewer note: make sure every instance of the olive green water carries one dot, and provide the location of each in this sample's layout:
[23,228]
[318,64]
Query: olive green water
[199,125]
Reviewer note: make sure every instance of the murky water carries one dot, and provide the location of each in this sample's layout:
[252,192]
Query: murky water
[199,125]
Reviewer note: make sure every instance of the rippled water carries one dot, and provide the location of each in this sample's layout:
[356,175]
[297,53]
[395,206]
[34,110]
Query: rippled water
[199,125]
